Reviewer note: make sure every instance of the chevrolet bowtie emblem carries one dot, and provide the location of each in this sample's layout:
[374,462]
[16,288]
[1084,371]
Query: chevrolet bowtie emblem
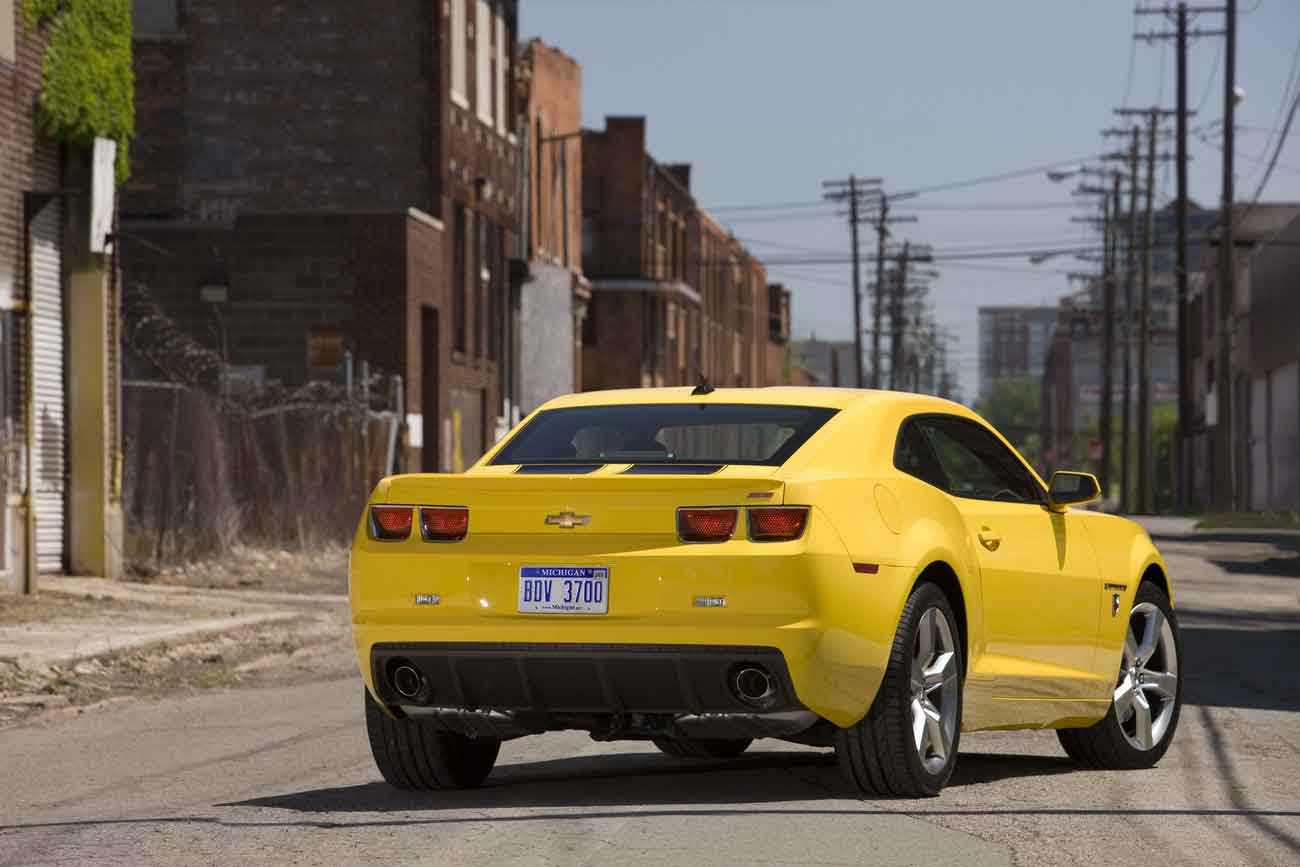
[567,520]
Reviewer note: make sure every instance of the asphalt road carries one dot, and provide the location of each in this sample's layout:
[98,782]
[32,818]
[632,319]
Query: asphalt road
[284,775]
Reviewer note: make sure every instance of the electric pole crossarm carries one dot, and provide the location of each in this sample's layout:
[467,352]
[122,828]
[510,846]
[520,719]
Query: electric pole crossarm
[1192,34]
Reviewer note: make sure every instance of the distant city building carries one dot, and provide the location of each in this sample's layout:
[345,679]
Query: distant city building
[1013,342]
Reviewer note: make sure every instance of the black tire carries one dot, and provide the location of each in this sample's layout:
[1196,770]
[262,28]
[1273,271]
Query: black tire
[416,757]
[878,754]
[703,748]
[1104,744]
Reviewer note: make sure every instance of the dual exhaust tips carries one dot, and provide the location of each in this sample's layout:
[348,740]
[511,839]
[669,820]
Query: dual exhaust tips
[751,684]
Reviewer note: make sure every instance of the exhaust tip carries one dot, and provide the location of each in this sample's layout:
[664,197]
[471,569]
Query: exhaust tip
[754,686]
[407,681]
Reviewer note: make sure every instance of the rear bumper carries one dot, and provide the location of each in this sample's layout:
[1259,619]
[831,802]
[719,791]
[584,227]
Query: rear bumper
[829,626]
[582,678]
[612,690]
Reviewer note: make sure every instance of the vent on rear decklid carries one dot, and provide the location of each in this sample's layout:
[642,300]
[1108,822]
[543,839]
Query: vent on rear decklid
[673,469]
[557,469]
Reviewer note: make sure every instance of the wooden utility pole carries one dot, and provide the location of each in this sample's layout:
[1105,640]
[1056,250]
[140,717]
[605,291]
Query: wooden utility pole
[1181,34]
[1145,475]
[1109,286]
[1144,480]
[1182,482]
[896,317]
[1130,277]
[855,190]
[1225,495]
[882,222]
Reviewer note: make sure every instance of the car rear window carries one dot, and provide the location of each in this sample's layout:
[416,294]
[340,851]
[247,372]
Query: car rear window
[757,434]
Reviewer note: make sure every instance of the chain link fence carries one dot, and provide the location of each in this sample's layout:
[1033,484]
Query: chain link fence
[210,463]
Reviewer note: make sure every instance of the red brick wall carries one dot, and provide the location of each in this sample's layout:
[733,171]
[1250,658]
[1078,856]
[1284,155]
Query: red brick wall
[614,164]
[554,108]
[293,106]
[19,85]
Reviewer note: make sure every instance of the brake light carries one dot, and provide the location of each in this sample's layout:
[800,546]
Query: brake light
[444,523]
[391,523]
[706,525]
[777,523]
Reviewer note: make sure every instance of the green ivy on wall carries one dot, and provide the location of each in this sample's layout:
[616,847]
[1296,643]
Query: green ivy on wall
[87,84]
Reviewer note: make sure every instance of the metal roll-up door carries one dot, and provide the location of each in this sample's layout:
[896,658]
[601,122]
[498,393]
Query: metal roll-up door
[49,476]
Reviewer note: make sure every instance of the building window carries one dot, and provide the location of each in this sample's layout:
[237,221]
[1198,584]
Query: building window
[459,90]
[458,278]
[483,61]
[502,73]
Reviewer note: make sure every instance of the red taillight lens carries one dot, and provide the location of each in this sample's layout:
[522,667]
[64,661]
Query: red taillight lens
[777,523]
[706,525]
[391,523]
[444,523]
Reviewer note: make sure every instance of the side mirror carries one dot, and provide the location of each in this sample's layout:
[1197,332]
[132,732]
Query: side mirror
[1072,489]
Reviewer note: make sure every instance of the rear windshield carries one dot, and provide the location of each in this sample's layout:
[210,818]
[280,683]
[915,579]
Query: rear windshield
[665,434]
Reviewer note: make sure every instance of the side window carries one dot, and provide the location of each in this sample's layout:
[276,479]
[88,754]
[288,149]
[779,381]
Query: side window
[913,455]
[977,465]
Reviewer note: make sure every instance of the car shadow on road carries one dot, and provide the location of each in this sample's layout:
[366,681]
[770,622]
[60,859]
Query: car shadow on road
[646,779]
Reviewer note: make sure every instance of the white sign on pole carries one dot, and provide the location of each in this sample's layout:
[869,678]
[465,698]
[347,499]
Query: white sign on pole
[103,185]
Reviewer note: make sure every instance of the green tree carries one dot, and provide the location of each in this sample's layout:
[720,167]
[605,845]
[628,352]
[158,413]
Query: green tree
[1014,407]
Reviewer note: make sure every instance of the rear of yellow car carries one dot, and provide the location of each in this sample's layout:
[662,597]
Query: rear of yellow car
[652,581]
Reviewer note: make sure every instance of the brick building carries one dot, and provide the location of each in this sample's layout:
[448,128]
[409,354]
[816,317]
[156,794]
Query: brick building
[674,296]
[295,200]
[61,509]
[554,294]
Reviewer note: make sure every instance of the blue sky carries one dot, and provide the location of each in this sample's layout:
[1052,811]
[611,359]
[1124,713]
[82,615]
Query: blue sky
[767,99]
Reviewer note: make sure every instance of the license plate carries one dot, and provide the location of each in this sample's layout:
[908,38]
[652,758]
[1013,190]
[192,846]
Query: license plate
[563,590]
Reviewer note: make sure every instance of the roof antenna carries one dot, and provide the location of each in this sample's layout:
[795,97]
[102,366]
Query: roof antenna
[703,388]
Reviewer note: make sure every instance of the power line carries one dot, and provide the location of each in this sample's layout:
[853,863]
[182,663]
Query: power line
[952,185]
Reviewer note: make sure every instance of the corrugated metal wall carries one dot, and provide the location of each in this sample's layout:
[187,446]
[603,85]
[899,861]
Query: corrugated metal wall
[49,460]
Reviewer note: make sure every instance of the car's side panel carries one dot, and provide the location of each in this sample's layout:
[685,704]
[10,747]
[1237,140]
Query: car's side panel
[1039,578]
[1124,553]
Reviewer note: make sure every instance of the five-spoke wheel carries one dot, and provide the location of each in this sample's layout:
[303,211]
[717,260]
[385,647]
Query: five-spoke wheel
[1140,724]
[935,687]
[906,745]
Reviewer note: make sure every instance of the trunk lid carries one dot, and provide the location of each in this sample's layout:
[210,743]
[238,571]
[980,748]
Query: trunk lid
[609,500]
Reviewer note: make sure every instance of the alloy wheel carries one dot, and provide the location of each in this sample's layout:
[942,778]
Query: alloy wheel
[1146,692]
[936,683]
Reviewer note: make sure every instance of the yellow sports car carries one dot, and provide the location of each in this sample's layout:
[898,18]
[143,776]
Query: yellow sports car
[865,570]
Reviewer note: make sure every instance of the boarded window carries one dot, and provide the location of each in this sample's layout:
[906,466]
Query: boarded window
[459,70]
[483,61]
[502,71]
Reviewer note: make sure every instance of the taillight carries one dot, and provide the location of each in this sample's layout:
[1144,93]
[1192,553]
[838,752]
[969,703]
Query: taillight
[706,525]
[444,523]
[391,523]
[777,523]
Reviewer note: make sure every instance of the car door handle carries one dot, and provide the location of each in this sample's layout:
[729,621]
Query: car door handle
[989,539]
